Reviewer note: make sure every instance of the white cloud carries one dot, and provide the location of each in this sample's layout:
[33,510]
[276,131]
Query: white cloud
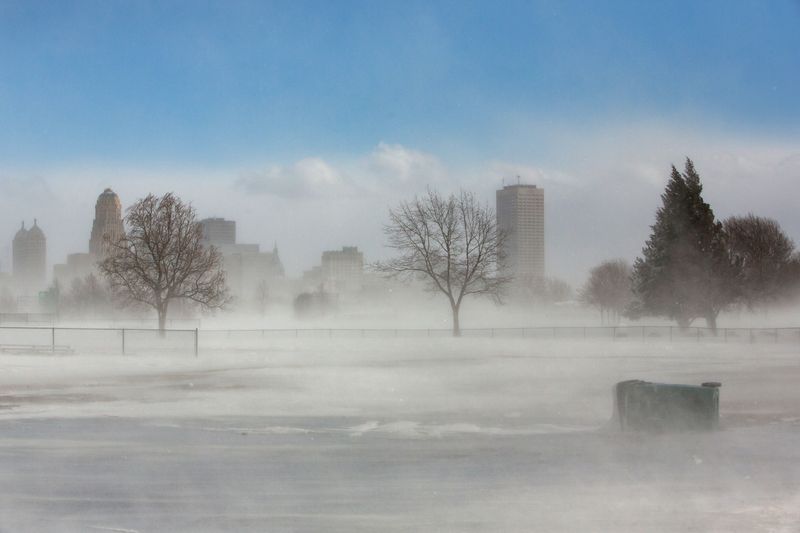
[394,164]
[309,177]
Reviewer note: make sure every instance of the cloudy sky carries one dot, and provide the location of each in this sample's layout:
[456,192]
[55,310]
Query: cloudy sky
[304,121]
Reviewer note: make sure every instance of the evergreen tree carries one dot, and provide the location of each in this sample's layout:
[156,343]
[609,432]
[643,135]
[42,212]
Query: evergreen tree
[685,272]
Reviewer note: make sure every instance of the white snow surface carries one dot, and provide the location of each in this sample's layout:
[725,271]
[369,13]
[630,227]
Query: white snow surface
[395,435]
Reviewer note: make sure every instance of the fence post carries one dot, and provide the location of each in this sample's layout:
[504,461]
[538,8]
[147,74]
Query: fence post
[614,333]
[196,342]
[123,341]
[670,334]
[725,334]
[584,332]
[776,335]
[53,340]
[698,334]
[554,333]
[752,339]
[492,332]
[643,333]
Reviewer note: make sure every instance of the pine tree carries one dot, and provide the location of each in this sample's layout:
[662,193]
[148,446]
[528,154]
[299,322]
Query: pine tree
[685,272]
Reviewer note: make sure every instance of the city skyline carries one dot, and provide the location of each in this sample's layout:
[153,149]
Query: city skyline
[225,107]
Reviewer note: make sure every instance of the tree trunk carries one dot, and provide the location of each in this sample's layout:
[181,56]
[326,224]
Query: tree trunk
[162,318]
[456,327]
[711,322]
[683,323]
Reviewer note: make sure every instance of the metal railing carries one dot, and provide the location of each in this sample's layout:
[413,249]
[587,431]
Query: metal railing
[614,333]
[128,341]
[124,341]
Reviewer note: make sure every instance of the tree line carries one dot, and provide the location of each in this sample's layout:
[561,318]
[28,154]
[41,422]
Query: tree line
[694,266]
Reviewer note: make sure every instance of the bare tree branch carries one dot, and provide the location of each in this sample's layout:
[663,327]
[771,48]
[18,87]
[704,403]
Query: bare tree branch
[453,242]
[162,258]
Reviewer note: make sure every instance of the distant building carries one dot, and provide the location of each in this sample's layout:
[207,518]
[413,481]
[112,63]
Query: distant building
[29,251]
[219,232]
[246,266]
[77,266]
[520,214]
[107,226]
[342,271]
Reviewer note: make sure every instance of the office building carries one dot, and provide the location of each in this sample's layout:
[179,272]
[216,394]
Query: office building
[342,271]
[219,232]
[520,215]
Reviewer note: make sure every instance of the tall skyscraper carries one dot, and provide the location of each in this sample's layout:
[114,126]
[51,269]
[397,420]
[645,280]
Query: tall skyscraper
[29,251]
[107,225]
[520,214]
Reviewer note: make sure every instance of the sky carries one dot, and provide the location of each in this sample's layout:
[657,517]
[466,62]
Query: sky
[306,121]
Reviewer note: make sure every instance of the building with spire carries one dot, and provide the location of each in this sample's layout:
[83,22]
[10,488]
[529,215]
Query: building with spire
[247,269]
[29,250]
[107,225]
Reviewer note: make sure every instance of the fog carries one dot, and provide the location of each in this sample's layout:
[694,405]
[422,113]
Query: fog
[399,266]
[396,435]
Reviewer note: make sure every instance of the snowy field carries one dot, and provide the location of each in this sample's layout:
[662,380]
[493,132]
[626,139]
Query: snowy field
[411,435]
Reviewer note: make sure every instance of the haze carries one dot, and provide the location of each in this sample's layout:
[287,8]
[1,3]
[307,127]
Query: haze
[378,266]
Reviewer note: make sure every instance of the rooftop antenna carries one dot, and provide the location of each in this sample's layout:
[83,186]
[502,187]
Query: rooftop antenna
[518,180]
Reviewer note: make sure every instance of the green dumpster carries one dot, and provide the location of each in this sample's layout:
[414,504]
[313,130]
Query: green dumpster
[645,406]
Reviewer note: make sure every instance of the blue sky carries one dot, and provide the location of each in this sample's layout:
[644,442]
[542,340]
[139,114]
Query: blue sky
[266,102]
[222,81]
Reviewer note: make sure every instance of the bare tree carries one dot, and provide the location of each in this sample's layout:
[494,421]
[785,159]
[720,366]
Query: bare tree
[763,253]
[8,302]
[609,289]
[546,291]
[452,242]
[262,296]
[162,258]
[88,296]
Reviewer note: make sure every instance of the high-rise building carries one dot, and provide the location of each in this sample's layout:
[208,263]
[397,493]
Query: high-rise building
[219,232]
[520,215]
[107,226]
[29,251]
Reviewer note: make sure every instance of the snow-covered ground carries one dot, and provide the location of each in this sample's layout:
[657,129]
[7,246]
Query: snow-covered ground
[471,434]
